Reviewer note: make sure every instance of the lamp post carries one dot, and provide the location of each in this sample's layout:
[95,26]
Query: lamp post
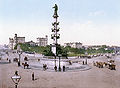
[34,53]
[59,55]
[16,78]
[86,57]
[19,51]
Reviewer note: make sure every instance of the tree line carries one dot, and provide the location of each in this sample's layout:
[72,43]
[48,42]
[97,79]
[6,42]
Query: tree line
[64,51]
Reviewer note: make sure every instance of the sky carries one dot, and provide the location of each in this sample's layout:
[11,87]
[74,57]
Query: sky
[91,22]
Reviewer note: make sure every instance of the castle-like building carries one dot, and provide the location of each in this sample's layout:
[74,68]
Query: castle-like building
[15,40]
[74,45]
[42,41]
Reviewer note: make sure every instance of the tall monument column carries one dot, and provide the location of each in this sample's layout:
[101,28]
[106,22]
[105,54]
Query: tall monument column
[55,35]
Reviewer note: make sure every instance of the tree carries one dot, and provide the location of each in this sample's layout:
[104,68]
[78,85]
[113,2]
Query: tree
[48,51]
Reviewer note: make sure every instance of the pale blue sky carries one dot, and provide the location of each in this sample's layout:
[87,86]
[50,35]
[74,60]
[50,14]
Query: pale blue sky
[87,21]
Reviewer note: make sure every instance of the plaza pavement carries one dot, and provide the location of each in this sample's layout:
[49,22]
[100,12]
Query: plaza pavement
[93,78]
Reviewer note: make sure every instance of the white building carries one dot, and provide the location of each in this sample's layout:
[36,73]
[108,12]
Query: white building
[15,40]
[74,44]
[42,41]
[11,41]
[19,39]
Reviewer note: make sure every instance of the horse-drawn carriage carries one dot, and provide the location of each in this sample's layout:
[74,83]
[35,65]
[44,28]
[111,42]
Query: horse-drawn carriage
[15,59]
[110,64]
[25,65]
[99,64]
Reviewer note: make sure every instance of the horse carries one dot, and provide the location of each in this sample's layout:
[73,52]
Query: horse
[70,62]
[99,64]
[44,66]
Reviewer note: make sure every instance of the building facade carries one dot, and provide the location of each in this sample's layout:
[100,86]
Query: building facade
[74,44]
[15,40]
[11,42]
[42,41]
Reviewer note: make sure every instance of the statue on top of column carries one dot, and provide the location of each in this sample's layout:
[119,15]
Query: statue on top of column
[56,9]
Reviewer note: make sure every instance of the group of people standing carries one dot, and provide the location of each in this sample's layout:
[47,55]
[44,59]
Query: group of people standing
[55,68]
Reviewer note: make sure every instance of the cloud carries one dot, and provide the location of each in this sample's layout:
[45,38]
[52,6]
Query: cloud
[91,33]
[97,13]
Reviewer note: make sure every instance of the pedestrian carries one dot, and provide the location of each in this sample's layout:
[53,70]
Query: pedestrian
[38,59]
[33,76]
[63,68]
[16,72]
[18,63]
[83,62]
[55,68]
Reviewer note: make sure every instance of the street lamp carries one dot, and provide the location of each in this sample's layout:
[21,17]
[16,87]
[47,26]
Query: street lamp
[19,51]
[59,55]
[34,53]
[86,57]
[16,78]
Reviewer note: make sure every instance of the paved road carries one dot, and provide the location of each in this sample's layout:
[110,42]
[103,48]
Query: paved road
[93,78]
